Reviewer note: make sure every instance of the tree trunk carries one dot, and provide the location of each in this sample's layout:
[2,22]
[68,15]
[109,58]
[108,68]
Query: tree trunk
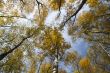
[55,67]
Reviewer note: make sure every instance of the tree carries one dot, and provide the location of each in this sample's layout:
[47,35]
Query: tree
[55,45]
[18,39]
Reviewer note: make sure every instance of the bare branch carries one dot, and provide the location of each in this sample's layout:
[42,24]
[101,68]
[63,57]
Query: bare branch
[80,7]
[3,55]
[76,12]
[14,17]
[104,49]
[39,3]
[107,14]
[59,8]
[22,2]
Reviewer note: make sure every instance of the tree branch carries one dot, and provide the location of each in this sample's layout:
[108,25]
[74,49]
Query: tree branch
[22,2]
[14,17]
[39,3]
[104,49]
[60,1]
[3,55]
[76,12]
[80,7]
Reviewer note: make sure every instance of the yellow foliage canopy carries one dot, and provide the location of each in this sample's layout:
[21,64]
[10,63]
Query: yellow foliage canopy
[52,40]
[86,18]
[71,56]
[84,63]
[1,4]
[76,71]
[14,64]
[70,1]
[101,9]
[93,3]
[55,4]
[46,68]
[40,19]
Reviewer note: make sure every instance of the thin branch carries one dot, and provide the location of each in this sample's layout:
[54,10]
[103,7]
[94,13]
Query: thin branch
[39,3]
[59,8]
[3,16]
[40,66]
[3,55]
[5,26]
[22,2]
[104,49]
[12,16]
[107,14]
[76,12]
[102,32]
[60,4]
[80,7]
[6,41]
